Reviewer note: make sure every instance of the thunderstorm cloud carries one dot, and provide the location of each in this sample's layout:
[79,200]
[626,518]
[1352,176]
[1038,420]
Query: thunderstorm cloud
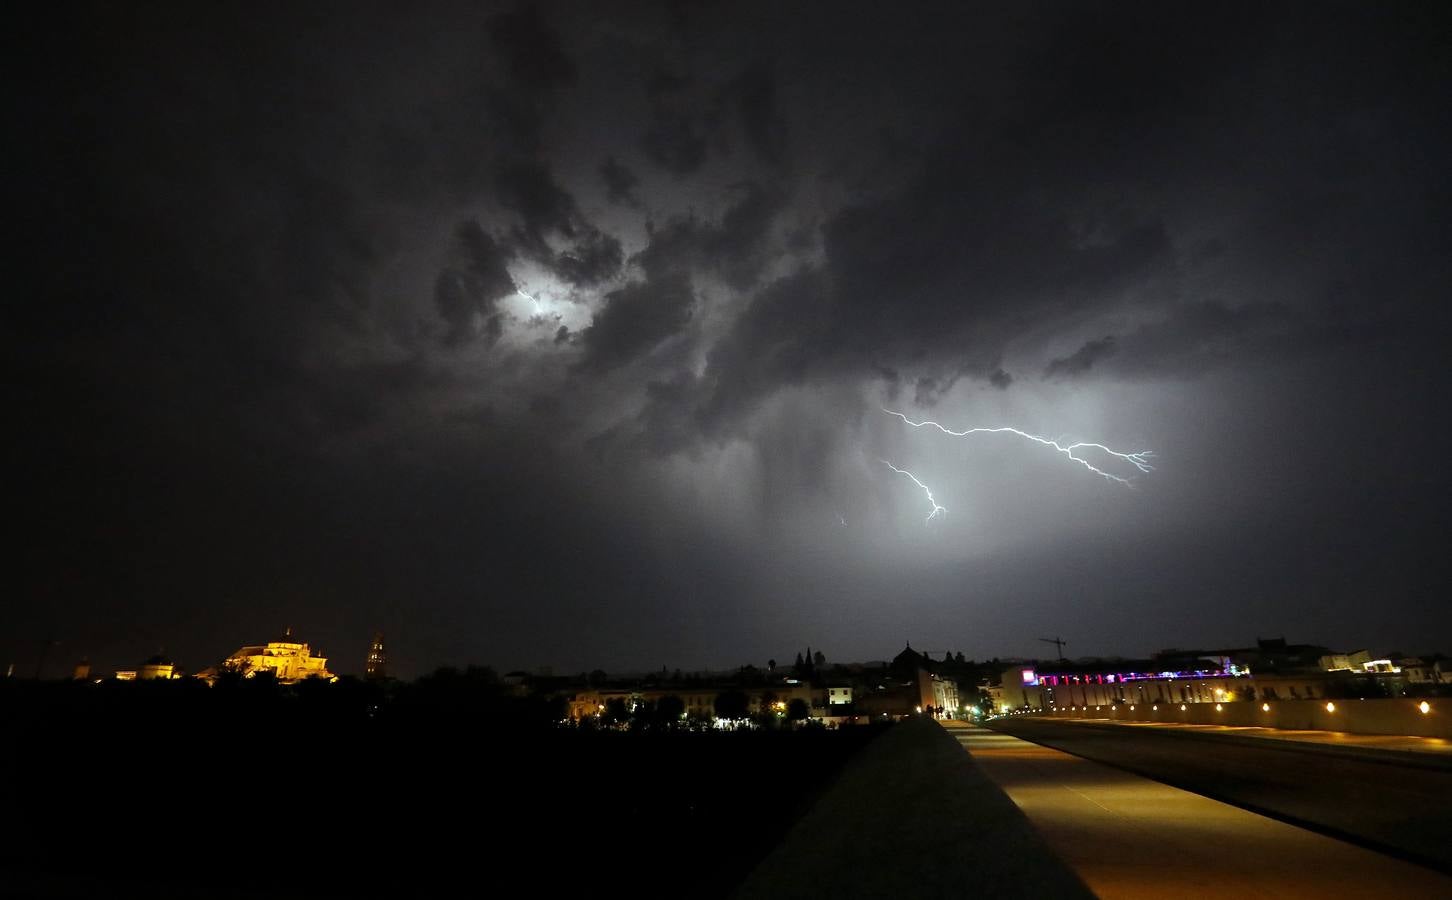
[558,333]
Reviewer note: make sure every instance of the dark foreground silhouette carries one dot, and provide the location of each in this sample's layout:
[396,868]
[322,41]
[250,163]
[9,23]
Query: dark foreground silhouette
[352,789]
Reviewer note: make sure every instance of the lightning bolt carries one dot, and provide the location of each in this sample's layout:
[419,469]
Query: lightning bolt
[532,299]
[937,510]
[1139,459]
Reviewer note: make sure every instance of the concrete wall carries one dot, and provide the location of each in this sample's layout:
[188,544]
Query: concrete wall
[1402,716]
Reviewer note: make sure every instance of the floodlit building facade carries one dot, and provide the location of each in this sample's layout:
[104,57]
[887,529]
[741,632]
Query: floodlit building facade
[158,667]
[287,660]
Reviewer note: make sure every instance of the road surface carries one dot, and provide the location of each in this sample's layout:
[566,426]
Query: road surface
[1394,803]
[1129,837]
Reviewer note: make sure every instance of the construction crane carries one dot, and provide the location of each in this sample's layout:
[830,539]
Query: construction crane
[1058,644]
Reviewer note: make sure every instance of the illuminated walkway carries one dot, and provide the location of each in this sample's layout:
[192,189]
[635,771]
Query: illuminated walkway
[1396,742]
[1129,837]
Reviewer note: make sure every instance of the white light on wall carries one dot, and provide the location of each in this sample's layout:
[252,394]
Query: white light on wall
[1425,707]
[1330,707]
[1265,707]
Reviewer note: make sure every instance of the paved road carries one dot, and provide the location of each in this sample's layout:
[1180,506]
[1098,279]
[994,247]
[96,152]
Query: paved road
[1367,798]
[1130,837]
[1395,743]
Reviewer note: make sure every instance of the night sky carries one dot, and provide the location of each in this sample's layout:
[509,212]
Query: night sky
[560,335]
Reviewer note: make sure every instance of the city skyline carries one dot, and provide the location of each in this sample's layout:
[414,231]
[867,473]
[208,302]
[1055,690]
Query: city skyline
[572,336]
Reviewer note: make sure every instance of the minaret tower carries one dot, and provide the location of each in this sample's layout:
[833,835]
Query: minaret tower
[377,665]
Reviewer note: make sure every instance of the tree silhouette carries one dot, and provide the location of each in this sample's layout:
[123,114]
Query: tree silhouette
[797,709]
[670,708]
[616,711]
[732,705]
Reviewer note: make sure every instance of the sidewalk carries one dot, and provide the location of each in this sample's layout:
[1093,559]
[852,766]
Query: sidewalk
[912,818]
[1130,837]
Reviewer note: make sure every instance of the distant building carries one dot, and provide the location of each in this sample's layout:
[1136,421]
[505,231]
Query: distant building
[1424,671]
[1170,677]
[287,660]
[377,665]
[699,700]
[157,667]
[82,671]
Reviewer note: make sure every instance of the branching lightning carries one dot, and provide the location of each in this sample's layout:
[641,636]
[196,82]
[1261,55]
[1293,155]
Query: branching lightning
[937,510]
[1139,459]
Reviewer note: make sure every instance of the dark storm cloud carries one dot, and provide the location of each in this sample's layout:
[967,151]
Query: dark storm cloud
[620,182]
[1083,359]
[736,249]
[594,258]
[252,363]
[547,211]
[1194,338]
[466,297]
[635,319]
[692,116]
[677,136]
[529,188]
[536,57]
[944,270]
[754,94]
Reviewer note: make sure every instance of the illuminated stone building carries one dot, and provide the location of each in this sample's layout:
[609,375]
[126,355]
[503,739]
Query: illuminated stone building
[156,667]
[288,660]
[377,664]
